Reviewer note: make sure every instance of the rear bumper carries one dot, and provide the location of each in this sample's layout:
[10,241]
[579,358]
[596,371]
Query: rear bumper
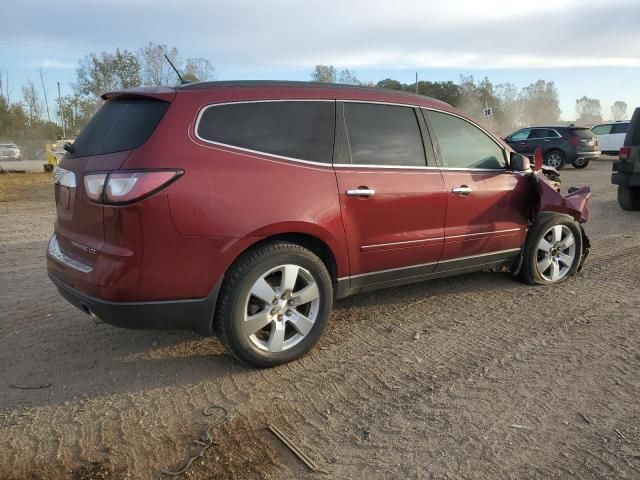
[588,155]
[193,314]
[623,174]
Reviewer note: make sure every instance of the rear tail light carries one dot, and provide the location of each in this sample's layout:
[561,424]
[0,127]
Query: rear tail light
[625,153]
[123,187]
[574,140]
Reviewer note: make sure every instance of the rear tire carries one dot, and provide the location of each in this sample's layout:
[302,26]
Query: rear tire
[552,251]
[556,159]
[581,164]
[629,197]
[274,304]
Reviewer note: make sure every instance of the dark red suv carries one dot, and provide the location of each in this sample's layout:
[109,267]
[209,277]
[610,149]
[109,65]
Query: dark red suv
[245,208]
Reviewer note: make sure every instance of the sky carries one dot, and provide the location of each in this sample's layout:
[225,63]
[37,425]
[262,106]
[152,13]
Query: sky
[588,47]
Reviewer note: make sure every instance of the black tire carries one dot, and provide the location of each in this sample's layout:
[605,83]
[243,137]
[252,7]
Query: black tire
[629,197]
[530,256]
[550,156]
[579,164]
[235,294]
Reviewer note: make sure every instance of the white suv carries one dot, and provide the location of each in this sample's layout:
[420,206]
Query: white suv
[9,151]
[611,135]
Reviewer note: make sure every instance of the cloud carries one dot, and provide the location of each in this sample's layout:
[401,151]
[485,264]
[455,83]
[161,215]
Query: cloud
[52,64]
[353,34]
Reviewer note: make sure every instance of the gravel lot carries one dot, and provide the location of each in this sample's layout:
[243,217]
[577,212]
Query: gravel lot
[503,380]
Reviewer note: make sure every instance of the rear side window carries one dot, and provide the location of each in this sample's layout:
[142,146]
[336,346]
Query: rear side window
[602,129]
[543,133]
[301,130]
[620,128]
[119,125]
[464,145]
[383,135]
[583,133]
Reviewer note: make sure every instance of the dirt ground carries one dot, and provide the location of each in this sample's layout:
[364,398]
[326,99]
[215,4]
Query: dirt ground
[503,381]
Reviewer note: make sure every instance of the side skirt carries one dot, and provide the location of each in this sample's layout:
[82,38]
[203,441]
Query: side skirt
[417,273]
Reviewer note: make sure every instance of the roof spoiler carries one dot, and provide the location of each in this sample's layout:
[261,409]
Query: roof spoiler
[164,94]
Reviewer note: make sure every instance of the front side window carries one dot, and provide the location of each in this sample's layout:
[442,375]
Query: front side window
[520,136]
[383,135]
[620,128]
[295,129]
[463,145]
[602,130]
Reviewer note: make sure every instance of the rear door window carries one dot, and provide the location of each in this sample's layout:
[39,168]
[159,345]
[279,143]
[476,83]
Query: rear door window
[542,133]
[602,129]
[119,125]
[620,128]
[383,135]
[463,145]
[302,130]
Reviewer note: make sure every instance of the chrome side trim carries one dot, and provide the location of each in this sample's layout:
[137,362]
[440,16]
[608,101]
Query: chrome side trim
[494,232]
[57,254]
[248,150]
[400,167]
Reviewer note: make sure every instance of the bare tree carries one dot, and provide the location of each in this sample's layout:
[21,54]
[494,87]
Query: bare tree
[32,102]
[619,110]
[539,103]
[589,110]
[44,92]
[348,77]
[324,74]
[156,70]
[198,70]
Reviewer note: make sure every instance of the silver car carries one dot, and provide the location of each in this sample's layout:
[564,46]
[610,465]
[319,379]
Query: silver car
[10,151]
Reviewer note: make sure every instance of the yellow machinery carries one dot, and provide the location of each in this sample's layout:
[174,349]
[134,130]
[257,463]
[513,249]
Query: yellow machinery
[55,152]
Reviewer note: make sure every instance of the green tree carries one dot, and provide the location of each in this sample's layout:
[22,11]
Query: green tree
[198,70]
[348,77]
[588,110]
[391,84]
[98,74]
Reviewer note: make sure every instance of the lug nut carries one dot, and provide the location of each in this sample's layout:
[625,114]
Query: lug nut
[280,317]
[274,311]
[290,302]
[274,301]
[289,312]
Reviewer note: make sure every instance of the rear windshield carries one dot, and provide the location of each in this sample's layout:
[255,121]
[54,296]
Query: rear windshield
[583,133]
[119,125]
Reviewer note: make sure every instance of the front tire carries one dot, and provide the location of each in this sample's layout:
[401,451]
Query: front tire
[581,163]
[274,304]
[556,159]
[552,251]
[629,197]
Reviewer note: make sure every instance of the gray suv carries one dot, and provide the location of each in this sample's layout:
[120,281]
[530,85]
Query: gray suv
[560,145]
[626,171]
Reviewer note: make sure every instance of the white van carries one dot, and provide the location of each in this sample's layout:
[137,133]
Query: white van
[611,136]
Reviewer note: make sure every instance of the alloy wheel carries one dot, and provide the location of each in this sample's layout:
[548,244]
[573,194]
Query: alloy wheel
[554,160]
[281,308]
[556,253]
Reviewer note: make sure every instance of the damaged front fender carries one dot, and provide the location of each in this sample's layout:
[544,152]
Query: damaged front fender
[575,203]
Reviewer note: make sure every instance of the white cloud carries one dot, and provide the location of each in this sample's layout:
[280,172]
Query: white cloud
[52,64]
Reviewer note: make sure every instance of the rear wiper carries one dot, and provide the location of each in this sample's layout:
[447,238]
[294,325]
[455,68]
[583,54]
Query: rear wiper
[68,147]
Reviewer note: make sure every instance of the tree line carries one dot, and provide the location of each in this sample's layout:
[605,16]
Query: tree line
[512,108]
[31,118]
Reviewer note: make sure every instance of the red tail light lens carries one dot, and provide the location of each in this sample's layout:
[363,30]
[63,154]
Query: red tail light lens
[574,140]
[123,187]
[625,153]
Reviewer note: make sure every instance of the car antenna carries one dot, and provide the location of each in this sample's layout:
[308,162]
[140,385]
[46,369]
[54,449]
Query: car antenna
[182,81]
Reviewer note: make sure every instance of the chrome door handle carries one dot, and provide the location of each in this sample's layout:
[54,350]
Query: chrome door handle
[462,190]
[361,192]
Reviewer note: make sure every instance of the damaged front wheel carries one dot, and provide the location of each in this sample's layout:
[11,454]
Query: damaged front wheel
[553,250]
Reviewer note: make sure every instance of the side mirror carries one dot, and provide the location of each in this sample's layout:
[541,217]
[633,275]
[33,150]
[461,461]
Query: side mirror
[519,163]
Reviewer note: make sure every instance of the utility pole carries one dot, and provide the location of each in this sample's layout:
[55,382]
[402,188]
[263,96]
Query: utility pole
[64,132]
[416,82]
[6,86]
[44,90]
